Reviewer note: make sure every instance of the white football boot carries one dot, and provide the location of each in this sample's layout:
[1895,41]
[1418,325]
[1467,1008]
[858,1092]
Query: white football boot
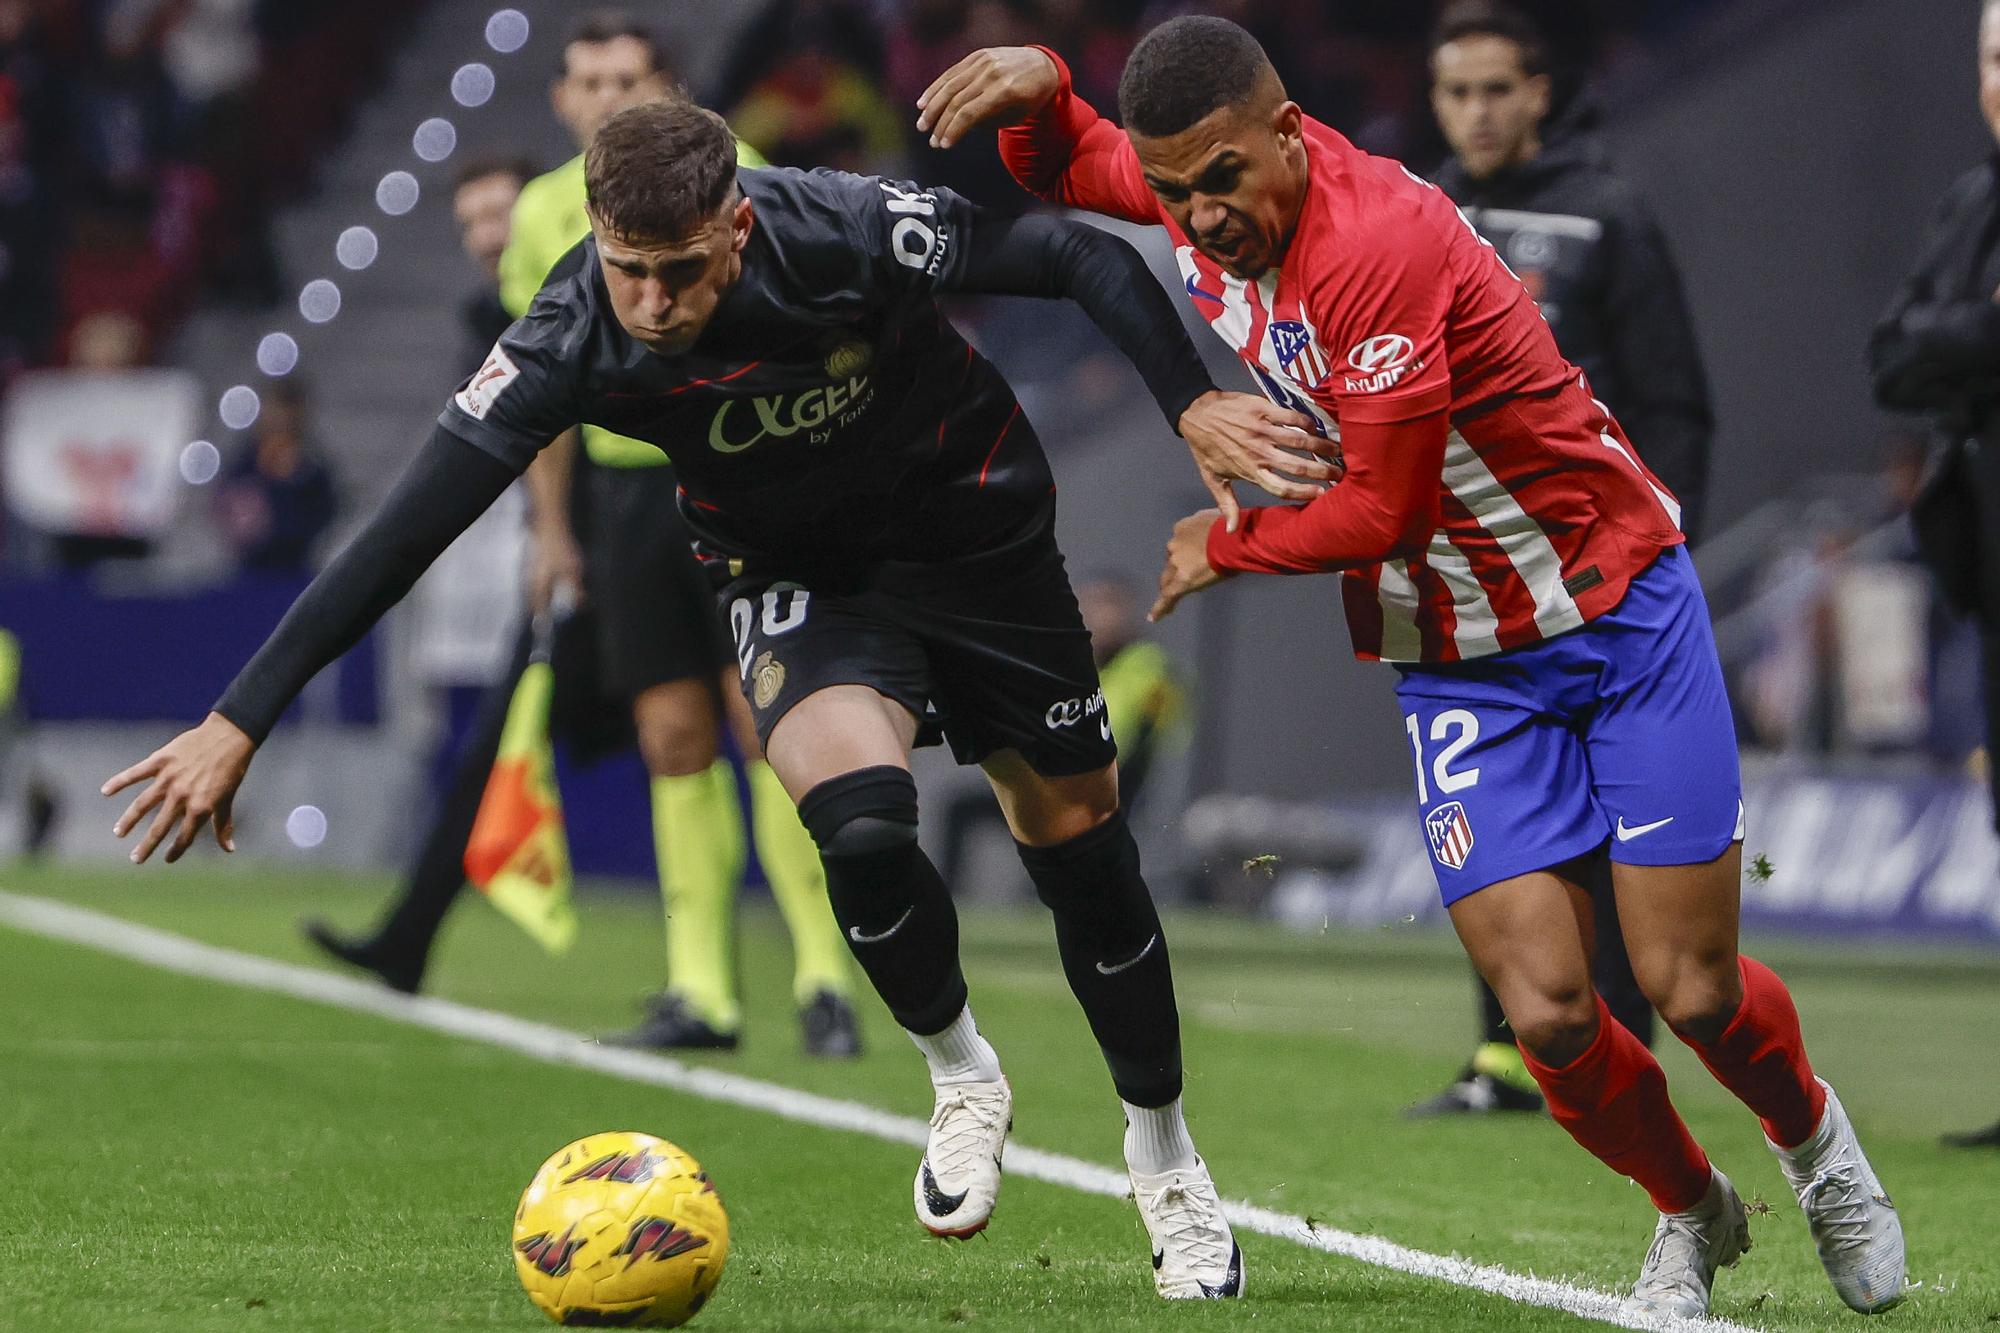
[1687,1250]
[958,1180]
[1194,1255]
[1854,1225]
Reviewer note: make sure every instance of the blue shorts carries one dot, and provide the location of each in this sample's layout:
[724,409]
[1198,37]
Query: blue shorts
[1618,732]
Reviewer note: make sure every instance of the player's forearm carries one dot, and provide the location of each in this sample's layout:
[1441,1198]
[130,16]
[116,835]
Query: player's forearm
[1061,257]
[1385,508]
[1038,151]
[1066,153]
[448,485]
[549,479]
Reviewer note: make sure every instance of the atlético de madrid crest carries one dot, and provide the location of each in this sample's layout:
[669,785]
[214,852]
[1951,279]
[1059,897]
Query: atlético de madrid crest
[1450,834]
[1298,353]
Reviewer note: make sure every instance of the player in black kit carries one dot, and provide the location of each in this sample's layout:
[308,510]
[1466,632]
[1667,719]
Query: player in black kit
[878,514]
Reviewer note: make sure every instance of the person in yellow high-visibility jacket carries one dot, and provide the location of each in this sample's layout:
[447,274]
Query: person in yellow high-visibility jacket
[659,635]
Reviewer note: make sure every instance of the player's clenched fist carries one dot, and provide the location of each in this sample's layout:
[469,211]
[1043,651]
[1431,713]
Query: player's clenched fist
[194,779]
[997,85]
[1241,437]
[1187,569]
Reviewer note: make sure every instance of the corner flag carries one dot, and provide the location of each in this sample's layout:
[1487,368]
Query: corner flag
[518,854]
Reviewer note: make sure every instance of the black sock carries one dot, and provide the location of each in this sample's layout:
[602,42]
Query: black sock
[1115,956]
[892,907]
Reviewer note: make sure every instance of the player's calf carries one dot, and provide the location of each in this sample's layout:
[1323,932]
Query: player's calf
[893,909]
[1114,955]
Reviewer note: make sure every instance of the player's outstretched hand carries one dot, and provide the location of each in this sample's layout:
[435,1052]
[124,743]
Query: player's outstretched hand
[1187,569]
[1242,437]
[194,779]
[997,85]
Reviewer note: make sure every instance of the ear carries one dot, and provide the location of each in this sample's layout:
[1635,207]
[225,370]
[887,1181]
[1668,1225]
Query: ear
[1288,123]
[556,99]
[740,220]
[1539,89]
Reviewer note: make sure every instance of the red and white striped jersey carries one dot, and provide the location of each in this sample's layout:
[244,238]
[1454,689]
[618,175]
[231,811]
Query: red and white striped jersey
[1389,307]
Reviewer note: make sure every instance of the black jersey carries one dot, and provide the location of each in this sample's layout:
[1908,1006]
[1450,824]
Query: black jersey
[827,417]
[827,409]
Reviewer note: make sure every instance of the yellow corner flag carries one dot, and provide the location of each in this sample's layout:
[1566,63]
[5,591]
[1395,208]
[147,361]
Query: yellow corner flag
[518,854]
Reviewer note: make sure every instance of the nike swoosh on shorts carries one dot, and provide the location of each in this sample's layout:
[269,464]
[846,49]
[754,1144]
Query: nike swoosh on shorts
[1627,834]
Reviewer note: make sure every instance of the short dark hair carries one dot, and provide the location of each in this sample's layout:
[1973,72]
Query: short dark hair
[1185,69]
[659,170]
[1493,18]
[598,26]
[519,169]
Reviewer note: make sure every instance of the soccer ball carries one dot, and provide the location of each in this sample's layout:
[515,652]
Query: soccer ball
[620,1230]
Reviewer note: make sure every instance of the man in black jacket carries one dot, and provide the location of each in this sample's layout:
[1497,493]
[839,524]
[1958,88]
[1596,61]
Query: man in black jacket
[1937,351]
[1594,259]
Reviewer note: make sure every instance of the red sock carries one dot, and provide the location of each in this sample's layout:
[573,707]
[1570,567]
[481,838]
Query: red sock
[1761,1058]
[1613,1100]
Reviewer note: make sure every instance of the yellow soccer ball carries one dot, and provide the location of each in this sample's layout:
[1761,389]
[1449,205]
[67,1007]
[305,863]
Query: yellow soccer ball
[620,1230]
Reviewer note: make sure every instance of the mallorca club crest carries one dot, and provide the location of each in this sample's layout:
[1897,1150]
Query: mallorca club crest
[1298,353]
[1450,834]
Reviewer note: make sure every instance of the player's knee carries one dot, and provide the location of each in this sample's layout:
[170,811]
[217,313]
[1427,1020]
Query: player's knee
[862,815]
[1700,999]
[1555,1025]
[1067,809]
[1099,864]
[677,737]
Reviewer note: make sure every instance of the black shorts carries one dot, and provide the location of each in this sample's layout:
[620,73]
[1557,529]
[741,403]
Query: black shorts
[989,649]
[653,607]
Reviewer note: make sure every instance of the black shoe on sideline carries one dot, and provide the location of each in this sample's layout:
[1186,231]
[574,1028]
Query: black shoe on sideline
[364,954]
[1474,1093]
[828,1028]
[669,1025]
[1978,1138]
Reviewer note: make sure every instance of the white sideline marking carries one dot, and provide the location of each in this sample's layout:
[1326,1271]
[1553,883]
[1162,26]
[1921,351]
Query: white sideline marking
[540,1041]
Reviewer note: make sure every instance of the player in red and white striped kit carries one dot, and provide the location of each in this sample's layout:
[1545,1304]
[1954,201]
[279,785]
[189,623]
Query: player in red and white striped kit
[1499,540]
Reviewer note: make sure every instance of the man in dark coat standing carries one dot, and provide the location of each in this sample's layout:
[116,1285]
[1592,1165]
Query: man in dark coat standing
[1937,351]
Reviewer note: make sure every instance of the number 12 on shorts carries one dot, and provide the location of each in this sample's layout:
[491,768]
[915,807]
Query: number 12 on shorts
[1457,730]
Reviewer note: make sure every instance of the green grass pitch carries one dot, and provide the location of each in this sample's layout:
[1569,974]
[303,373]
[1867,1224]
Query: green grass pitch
[185,1155]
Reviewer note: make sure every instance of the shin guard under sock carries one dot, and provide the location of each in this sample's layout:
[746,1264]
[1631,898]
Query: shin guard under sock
[1115,956]
[1761,1057]
[1613,1100]
[891,905]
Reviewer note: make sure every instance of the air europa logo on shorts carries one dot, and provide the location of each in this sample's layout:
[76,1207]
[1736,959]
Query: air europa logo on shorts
[1069,712]
[816,411]
[1382,361]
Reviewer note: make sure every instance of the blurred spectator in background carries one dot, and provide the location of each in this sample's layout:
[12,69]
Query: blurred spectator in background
[1595,261]
[1937,351]
[277,499]
[807,92]
[482,202]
